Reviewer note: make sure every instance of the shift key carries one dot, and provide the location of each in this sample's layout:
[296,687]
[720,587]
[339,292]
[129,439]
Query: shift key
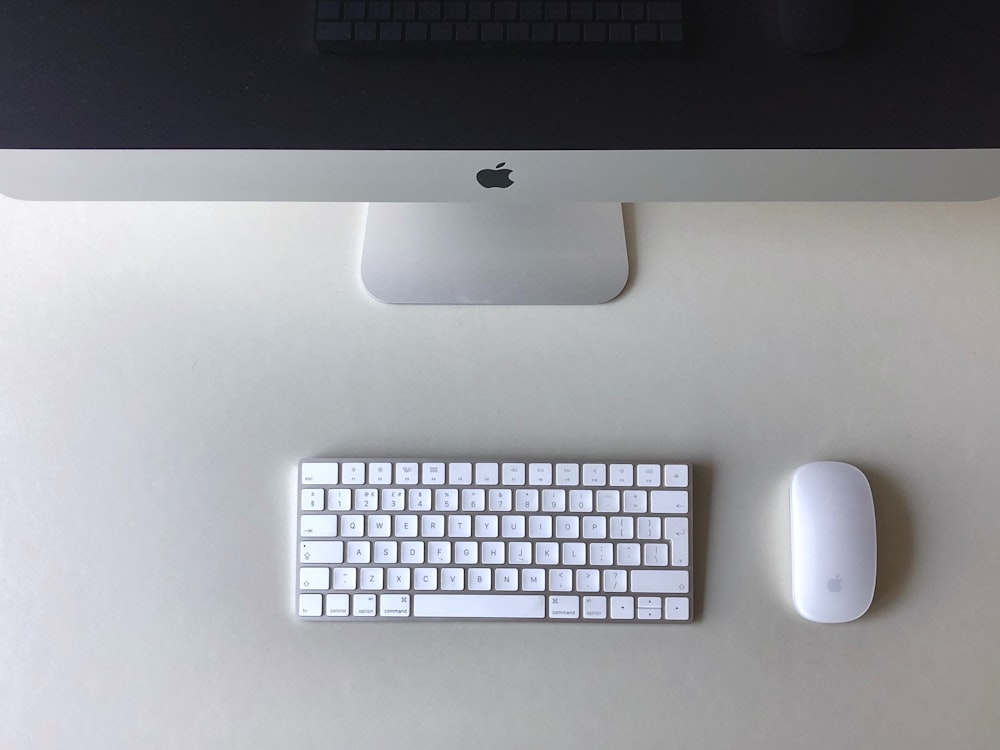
[659,582]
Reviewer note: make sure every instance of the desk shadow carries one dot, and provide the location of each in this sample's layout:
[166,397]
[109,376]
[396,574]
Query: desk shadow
[895,538]
[701,505]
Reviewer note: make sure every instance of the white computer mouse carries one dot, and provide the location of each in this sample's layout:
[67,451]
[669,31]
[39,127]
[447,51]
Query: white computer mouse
[833,542]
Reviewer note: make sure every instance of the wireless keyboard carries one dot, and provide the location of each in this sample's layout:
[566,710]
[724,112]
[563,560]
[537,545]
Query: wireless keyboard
[402,25]
[404,539]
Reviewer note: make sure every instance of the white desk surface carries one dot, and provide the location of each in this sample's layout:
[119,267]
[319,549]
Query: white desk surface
[163,366]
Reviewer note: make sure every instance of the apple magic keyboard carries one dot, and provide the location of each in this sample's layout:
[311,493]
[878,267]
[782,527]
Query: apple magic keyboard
[408,539]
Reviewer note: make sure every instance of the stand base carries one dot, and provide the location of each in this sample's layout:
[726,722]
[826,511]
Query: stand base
[494,254]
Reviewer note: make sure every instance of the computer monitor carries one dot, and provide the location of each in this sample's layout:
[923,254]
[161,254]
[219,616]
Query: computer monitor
[194,100]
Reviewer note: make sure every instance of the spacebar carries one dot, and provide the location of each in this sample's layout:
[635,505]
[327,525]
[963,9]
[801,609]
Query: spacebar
[478,605]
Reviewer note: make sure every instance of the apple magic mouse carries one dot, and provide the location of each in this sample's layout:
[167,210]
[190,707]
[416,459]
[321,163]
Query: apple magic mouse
[833,542]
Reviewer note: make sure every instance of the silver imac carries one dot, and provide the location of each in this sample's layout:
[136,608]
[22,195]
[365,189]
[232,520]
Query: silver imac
[491,178]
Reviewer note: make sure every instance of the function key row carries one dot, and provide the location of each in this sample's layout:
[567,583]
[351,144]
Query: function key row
[501,10]
[488,474]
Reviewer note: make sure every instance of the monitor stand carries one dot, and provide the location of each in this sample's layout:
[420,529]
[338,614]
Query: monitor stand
[494,254]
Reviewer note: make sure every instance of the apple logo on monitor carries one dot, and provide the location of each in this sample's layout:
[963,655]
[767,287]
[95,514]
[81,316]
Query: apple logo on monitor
[496,177]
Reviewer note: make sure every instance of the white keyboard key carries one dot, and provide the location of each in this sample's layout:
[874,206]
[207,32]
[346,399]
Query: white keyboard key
[500,501]
[425,579]
[513,474]
[647,527]
[675,475]
[393,499]
[659,581]
[546,553]
[533,579]
[513,527]
[493,553]
[314,579]
[317,525]
[634,501]
[320,473]
[668,501]
[363,605]
[460,526]
[354,473]
[432,526]
[507,606]
[359,553]
[379,526]
[320,553]
[380,473]
[622,608]
[439,553]
[466,553]
[310,605]
[487,474]
[487,527]
[567,527]
[365,499]
[411,552]
[574,553]
[595,475]
[480,579]
[627,554]
[602,554]
[622,527]
[345,579]
[452,579]
[595,607]
[394,605]
[567,475]
[526,501]
[338,499]
[372,579]
[649,614]
[676,608]
[446,499]
[433,473]
[398,579]
[338,605]
[615,581]
[648,475]
[581,501]
[588,580]
[560,579]
[654,555]
[473,500]
[650,602]
[675,530]
[352,526]
[406,526]
[386,552]
[539,475]
[564,607]
[609,501]
[418,499]
[505,579]
[407,474]
[540,527]
[595,527]
[621,475]
[311,499]
[460,473]
[520,553]
[554,501]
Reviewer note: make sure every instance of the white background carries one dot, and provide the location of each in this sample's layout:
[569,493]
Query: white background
[163,367]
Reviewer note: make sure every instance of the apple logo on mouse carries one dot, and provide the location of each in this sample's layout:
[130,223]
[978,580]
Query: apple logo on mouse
[496,177]
[834,584]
